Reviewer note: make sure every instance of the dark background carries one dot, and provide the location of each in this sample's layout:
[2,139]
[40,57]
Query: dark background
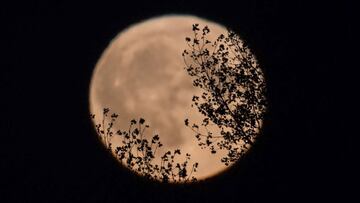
[49,150]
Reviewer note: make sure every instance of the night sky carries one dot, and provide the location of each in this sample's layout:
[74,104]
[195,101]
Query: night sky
[49,150]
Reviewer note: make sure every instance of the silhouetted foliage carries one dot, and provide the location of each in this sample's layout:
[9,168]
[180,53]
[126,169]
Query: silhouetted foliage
[233,96]
[138,152]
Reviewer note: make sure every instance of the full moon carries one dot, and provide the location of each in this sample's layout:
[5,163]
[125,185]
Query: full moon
[141,74]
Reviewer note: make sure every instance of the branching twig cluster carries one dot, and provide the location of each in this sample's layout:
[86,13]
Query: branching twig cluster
[233,96]
[138,152]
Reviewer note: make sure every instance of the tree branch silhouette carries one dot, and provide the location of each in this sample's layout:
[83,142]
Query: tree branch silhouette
[233,96]
[138,152]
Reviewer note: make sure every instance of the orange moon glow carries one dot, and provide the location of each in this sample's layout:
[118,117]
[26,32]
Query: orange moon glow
[141,74]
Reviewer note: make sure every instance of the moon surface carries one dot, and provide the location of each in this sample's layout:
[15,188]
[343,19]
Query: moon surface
[141,74]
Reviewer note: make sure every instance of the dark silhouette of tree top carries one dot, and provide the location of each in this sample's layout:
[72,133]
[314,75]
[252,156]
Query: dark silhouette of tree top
[138,152]
[233,96]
